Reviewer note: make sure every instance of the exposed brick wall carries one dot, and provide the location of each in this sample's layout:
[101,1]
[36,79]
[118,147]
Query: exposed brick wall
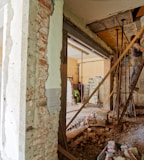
[41,131]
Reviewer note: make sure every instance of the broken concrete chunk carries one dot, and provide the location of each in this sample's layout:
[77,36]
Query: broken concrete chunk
[119,158]
[101,118]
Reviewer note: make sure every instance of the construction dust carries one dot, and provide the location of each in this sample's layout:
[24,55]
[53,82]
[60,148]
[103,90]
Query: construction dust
[90,142]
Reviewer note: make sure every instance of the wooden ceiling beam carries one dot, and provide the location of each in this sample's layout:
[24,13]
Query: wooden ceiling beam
[140,12]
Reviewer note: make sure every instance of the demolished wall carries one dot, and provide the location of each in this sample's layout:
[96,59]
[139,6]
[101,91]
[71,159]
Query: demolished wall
[43,99]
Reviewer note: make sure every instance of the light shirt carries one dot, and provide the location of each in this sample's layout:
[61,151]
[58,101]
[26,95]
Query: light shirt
[133,59]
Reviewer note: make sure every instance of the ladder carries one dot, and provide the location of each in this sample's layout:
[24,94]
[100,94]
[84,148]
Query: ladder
[130,94]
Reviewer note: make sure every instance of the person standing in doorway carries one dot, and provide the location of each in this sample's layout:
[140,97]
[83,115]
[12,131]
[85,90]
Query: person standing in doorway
[136,60]
[80,88]
[76,94]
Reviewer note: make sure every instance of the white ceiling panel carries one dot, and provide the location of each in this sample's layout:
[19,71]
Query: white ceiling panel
[93,10]
[78,51]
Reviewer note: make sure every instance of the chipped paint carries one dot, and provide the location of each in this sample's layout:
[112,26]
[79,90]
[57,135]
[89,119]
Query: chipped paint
[14,80]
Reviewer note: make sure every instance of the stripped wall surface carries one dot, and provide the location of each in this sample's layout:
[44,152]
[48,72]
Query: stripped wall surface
[30,107]
[42,113]
[13,88]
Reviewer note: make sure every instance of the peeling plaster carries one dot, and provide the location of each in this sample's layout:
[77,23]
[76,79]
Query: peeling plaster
[7,49]
[55,45]
[13,80]
[41,124]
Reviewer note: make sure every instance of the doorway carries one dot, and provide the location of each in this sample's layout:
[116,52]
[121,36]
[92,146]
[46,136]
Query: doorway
[86,68]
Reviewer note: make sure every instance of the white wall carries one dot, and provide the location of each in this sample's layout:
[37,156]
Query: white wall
[12,144]
[55,45]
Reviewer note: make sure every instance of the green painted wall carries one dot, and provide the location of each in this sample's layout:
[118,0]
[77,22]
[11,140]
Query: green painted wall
[55,46]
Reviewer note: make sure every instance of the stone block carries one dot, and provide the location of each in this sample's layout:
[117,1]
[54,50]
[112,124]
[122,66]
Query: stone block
[101,118]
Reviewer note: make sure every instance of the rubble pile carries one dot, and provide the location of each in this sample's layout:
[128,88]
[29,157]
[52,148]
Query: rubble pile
[89,143]
[115,151]
[94,119]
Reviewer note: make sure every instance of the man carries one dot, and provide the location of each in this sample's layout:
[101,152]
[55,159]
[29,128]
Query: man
[136,60]
[80,88]
[76,94]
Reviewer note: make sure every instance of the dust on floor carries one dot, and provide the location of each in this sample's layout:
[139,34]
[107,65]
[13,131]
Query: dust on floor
[88,144]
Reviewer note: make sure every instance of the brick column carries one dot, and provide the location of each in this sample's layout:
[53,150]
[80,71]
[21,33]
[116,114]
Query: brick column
[39,142]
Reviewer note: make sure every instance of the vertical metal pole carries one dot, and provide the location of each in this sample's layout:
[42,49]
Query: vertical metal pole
[117,81]
[122,34]
[81,73]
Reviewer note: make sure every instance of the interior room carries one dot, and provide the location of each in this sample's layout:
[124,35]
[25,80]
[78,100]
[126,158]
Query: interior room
[71,79]
[81,60]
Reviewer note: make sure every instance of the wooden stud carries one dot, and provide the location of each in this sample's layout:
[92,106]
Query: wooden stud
[66,154]
[62,118]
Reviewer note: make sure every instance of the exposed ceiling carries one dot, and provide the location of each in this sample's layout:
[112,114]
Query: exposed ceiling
[110,18]
[104,17]
[94,10]
[79,51]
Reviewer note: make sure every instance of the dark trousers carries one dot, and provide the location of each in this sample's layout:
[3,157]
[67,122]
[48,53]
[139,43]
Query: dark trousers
[136,69]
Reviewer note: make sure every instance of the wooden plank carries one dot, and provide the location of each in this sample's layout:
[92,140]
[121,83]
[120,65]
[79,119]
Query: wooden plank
[66,154]
[62,122]
[63,134]
[140,12]
[112,92]
[112,82]
[130,96]
[110,71]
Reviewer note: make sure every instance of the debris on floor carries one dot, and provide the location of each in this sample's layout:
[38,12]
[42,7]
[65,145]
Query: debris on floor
[93,128]
[115,151]
[98,118]
[88,144]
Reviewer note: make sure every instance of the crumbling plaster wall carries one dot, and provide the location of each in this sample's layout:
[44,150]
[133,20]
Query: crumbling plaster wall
[43,79]
[13,104]
[30,115]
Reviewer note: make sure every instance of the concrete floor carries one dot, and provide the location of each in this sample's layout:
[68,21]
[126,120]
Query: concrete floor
[73,109]
[87,111]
